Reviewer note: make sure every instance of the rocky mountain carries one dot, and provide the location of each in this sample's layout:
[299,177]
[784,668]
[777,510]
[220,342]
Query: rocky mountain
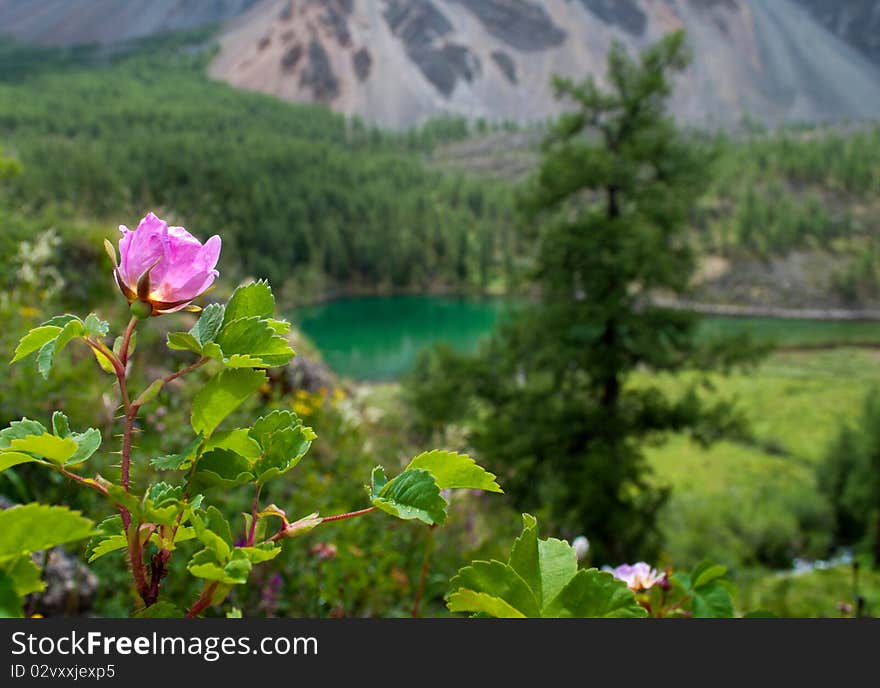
[399,62]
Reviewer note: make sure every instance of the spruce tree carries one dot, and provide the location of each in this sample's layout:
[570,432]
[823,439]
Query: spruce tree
[558,411]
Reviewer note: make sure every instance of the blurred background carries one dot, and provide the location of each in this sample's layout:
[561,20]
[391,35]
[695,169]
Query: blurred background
[689,373]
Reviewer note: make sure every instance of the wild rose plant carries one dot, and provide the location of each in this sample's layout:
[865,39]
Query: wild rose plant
[161,269]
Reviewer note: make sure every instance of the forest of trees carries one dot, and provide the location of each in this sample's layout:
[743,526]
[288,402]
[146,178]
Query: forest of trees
[293,190]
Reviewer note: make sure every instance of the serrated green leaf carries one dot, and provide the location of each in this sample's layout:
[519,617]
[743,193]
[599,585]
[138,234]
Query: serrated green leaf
[46,355]
[34,340]
[235,572]
[20,428]
[223,468]
[494,579]
[594,594]
[260,553]
[87,444]
[34,527]
[546,565]
[183,341]
[221,396]
[25,575]
[238,441]
[56,449]
[110,537]
[208,325]
[93,326]
[454,470]
[252,300]
[482,603]
[282,451]
[173,462]
[413,494]
[254,342]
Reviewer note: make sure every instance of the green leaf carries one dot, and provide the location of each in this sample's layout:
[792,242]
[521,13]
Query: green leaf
[454,470]
[110,537]
[87,444]
[546,565]
[34,340]
[252,342]
[11,602]
[173,462]
[238,441]
[93,326]
[34,527]
[378,480]
[282,451]
[206,329]
[223,468]
[252,300]
[413,494]
[494,579]
[221,396]
[25,575]
[183,341]
[9,459]
[71,330]
[706,572]
[18,429]
[60,424]
[260,553]
[482,603]
[595,594]
[235,572]
[46,446]
[712,601]
[150,392]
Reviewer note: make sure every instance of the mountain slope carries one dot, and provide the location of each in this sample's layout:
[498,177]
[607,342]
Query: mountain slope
[397,63]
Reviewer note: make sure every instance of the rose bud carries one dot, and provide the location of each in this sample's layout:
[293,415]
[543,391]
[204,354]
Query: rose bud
[162,269]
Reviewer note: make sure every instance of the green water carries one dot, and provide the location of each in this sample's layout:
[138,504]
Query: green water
[379,337]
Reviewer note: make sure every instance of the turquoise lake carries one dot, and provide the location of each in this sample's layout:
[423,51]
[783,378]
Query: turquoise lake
[378,338]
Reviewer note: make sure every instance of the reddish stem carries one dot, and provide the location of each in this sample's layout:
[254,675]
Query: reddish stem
[203,602]
[350,514]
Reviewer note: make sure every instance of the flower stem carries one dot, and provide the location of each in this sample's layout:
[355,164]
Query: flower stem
[204,600]
[126,340]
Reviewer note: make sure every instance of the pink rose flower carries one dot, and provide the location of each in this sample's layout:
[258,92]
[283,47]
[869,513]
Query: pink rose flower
[638,576]
[165,267]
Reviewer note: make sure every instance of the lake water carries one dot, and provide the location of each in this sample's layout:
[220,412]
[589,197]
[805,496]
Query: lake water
[379,337]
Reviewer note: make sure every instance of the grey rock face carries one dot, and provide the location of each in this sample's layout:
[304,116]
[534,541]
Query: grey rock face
[521,24]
